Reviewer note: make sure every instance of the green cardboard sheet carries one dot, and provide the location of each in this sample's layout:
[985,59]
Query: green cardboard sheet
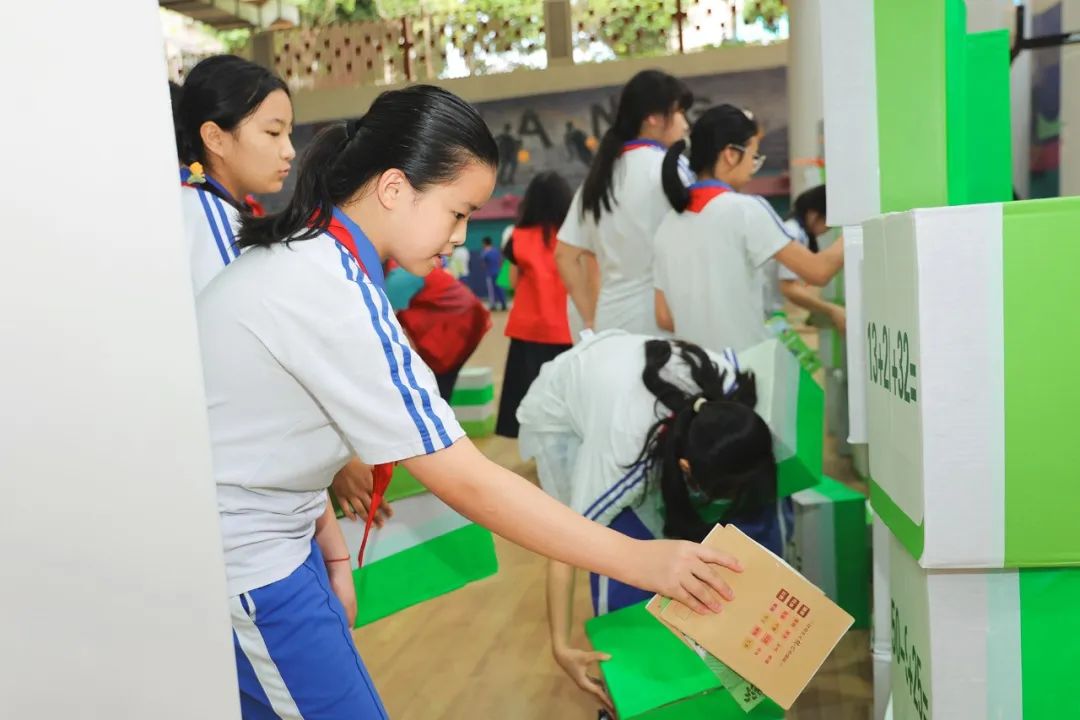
[423,572]
[652,675]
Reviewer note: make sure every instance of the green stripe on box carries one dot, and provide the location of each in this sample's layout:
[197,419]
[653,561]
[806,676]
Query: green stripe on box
[956,102]
[988,166]
[910,535]
[852,553]
[652,675]
[1049,627]
[472,396]
[423,572]
[1040,254]
[803,469]
[479,428]
[911,103]
[837,491]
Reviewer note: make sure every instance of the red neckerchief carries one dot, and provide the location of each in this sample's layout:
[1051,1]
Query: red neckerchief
[383,473]
[703,191]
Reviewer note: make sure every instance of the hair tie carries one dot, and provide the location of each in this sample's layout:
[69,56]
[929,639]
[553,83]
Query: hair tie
[351,128]
[698,403]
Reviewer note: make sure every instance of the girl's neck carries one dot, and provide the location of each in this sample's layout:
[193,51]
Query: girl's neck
[648,133]
[722,176]
[365,210]
[226,181]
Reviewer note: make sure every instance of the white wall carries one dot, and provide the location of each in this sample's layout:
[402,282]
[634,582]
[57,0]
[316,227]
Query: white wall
[112,596]
[983,15]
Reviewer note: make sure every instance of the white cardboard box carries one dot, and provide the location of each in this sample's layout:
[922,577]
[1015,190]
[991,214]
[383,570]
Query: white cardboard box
[970,431]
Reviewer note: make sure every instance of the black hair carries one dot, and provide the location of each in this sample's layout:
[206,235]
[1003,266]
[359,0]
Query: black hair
[175,93]
[650,92]
[717,128]
[727,444]
[222,89]
[812,199]
[487,241]
[546,202]
[426,132]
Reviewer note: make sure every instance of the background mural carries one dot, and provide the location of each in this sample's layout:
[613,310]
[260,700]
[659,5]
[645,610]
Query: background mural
[559,131]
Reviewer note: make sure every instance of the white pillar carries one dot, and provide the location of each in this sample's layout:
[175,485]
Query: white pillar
[1020,92]
[559,32]
[113,592]
[805,102]
[851,117]
[1070,102]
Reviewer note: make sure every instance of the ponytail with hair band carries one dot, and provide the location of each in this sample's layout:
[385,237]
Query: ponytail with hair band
[726,443]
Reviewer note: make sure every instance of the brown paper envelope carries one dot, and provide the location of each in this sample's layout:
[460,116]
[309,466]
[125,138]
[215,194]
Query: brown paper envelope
[779,629]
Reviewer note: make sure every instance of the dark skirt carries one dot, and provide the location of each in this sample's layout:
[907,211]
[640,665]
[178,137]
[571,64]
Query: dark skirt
[523,363]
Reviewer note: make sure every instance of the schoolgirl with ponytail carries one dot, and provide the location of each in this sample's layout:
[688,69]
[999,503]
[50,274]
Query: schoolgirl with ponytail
[640,434]
[808,221]
[616,212]
[233,120]
[713,245]
[305,364]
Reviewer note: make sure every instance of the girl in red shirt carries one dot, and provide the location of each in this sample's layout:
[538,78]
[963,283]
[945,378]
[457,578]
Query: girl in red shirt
[537,327]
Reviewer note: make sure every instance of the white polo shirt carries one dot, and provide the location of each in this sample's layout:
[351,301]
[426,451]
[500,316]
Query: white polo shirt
[210,227]
[709,265]
[305,366]
[775,272]
[623,239]
[585,420]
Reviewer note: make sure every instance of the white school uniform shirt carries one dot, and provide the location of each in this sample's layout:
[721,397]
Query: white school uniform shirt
[210,227]
[305,366]
[585,419]
[710,263]
[775,272]
[622,240]
[573,232]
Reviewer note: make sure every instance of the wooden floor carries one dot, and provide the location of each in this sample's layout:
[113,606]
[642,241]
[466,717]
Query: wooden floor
[482,653]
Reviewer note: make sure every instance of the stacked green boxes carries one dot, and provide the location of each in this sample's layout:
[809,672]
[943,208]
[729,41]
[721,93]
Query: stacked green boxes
[944,125]
[965,363]
[652,675]
[474,401]
[829,545]
[969,412]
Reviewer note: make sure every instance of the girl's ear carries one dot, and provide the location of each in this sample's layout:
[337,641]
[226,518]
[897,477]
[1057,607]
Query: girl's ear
[391,186]
[684,465]
[213,138]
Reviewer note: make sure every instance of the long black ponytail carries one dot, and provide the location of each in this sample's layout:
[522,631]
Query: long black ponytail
[650,92]
[426,132]
[718,127]
[727,444]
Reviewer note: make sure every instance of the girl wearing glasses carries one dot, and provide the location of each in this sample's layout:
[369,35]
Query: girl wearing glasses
[712,248]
